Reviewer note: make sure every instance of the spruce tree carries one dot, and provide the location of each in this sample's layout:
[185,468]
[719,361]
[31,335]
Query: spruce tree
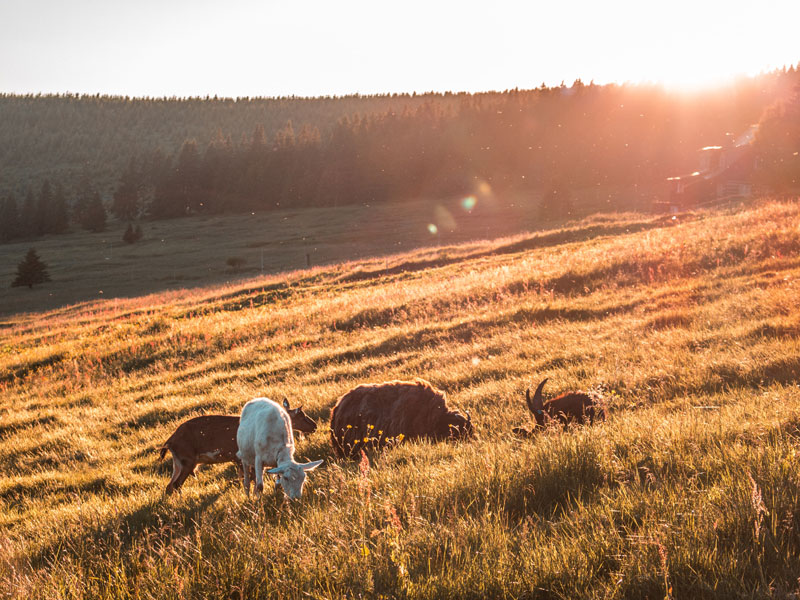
[132,234]
[94,219]
[31,271]
[187,173]
[126,196]
[9,219]
[57,220]
[27,218]
[83,195]
[44,205]
[127,237]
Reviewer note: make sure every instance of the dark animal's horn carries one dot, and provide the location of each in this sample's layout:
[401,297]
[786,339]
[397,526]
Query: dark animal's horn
[537,402]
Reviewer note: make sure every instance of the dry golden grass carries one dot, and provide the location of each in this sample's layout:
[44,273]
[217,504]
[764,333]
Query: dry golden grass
[690,489]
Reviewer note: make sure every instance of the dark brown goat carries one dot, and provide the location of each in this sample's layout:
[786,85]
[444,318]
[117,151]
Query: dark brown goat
[569,407]
[372,415]
[211,439]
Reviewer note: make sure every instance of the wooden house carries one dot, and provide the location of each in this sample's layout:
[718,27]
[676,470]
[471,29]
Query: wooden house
[724,172]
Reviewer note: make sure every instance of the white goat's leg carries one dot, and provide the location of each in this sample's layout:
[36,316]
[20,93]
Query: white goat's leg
[259,475]
[246,478]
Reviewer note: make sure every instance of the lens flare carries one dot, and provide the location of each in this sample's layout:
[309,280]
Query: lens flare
[444,220]
[469,203]
[433,229]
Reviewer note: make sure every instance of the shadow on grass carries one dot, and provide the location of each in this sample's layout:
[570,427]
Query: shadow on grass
[464,332]
[565,472]
[122,531]
[49,454]
[155,417]
[29,368]
[372,318]
[8,429]
[557,238]
[720,378]
[57,489]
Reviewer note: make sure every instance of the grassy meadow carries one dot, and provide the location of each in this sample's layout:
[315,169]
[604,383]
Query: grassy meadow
[193,251]
[689,326]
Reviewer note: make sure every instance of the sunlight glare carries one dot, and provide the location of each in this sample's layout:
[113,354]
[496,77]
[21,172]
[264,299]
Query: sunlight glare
[469,203]
[433,229]
[444,219]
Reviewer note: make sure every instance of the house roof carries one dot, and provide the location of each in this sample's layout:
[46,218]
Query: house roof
[738,163]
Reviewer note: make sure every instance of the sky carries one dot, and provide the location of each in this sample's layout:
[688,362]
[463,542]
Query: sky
[236,48]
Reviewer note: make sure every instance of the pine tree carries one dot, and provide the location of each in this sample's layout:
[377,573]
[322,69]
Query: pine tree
[9,219]
[43,207]
[777,143]
[187,172]
[31,271]
[57,218]
[259,140]
[83,195]
[132,234]
[126,202]
[94,219]
[175,185]
[127,237]
[27,217]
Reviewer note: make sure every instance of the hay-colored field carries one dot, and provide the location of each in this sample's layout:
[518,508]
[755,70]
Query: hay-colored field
[690,489]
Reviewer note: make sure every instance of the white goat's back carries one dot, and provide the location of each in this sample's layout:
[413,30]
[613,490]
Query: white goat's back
[265,430]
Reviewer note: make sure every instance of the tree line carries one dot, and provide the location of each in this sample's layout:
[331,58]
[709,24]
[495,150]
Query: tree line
[554,139]
[65,137]
[51,210]
[520,141]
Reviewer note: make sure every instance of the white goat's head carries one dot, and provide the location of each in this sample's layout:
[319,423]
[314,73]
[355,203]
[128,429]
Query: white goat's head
[292,476]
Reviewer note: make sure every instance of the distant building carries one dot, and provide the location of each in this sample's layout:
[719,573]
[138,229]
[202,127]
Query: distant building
[724,172]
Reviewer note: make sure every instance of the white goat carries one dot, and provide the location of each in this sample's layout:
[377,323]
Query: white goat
[265,439]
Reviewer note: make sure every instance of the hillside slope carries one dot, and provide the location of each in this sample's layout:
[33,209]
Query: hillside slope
[193,252]
[690,489]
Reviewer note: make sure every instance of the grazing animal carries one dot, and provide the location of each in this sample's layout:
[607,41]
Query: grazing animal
[301,422]
[211,439]
[569,407]
[265,439]
[372,415]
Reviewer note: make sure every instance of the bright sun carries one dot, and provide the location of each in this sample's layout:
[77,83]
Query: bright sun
[694,68]
[687,45]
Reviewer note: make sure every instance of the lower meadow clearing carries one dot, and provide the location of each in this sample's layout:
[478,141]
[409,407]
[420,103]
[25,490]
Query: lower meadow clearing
[195,251]
[689,326]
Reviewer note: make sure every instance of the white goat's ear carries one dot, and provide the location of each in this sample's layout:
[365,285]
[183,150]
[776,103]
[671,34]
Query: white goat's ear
[277,470]
[286,403]
[310,466]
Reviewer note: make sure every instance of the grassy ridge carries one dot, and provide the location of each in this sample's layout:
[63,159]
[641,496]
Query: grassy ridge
[690,489]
